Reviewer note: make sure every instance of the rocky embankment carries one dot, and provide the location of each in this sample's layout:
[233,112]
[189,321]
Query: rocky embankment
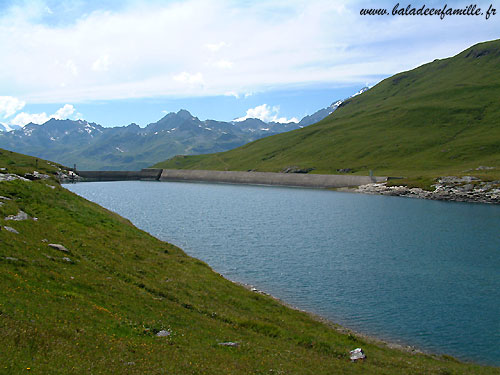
[449,188]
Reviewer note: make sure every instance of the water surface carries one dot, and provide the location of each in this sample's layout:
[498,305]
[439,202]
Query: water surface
[416,272]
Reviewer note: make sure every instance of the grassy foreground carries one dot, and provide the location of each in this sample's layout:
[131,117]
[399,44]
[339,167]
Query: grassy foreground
[96,309]
[439,119]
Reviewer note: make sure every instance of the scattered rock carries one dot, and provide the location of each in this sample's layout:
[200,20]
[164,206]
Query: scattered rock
[4,198]
[295,169]
[66,259]
[50,186]
[58,247]
[484,168]
[68,176]
[357,354]
[10,229]
[12,258]
[163,333]
[45,240]
[129,363]
[3,169]
[21,215]
[11,177]
[230,343]
[344,170]
[467,187]
[36,176]
[460,189]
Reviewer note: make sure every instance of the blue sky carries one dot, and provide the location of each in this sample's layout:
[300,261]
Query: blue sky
[116,62]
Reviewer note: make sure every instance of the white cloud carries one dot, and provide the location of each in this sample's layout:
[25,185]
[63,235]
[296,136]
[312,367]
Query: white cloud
[232,93]
[10,105]
[266,44]
[223,64]
[63,113]
[267,114]
[71,67]
[24,118]
[186,77]
[102,64]
[214,47]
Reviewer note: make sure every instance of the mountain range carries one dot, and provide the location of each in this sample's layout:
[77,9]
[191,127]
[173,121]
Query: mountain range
[93,147]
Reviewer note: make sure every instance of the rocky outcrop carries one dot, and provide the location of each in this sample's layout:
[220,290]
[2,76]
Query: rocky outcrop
[58,247]
[450,188]
[11,177]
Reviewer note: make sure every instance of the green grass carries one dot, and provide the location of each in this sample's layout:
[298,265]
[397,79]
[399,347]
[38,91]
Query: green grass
[439,119]
[98,313]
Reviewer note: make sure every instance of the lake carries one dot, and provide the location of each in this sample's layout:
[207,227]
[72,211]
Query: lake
[409,271]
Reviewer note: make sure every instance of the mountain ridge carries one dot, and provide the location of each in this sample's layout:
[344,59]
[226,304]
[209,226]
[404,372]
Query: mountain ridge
[93,147]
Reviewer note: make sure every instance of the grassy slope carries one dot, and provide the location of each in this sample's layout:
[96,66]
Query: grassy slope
[439,119]
[98,314]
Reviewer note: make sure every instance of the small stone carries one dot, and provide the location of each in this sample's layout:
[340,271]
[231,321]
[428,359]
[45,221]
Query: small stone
[21,215]
[4,198]
[163,333]
[10,229]
[468,187]
[129,363]
[58,247]
[230,343]
[12,258]
[357,354]
[45,240]
[66,259]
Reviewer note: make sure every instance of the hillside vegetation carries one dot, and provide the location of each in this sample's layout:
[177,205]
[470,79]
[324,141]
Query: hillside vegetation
[439,119]
[96,306]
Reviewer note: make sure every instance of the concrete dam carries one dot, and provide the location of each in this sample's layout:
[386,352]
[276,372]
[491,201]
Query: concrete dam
[233,177]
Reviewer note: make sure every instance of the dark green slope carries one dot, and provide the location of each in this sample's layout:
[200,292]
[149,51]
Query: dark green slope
[440,118]
[96,309]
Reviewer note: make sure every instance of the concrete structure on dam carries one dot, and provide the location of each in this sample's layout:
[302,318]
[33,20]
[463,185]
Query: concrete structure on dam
[144,174]
[234,177]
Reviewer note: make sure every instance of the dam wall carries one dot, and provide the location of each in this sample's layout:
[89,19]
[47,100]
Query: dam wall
[144,174]
[269,178]
[233,177]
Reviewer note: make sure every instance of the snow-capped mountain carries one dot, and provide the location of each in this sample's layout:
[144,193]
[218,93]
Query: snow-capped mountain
[8,128]
[322,113]
[94,147]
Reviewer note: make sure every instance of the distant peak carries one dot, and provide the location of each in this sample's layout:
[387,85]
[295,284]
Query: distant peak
[184,113]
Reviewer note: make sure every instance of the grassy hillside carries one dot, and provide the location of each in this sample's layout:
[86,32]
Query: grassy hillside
[96,308]
[439,119]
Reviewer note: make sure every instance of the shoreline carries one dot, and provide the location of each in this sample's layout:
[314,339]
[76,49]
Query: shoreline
[370,339]
[345,330]
[450,188]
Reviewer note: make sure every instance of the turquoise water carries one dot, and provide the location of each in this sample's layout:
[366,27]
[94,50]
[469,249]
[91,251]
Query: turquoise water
[410,271]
